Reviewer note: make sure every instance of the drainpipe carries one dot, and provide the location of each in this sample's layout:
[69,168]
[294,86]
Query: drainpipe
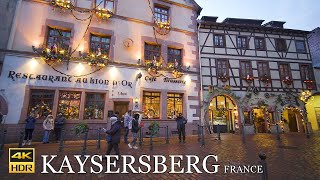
[200,73]
[14,25]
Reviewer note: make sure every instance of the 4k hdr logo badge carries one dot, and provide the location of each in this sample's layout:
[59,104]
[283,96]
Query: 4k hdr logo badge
[21,160]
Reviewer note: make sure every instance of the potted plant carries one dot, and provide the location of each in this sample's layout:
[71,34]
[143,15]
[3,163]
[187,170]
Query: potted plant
[81,128]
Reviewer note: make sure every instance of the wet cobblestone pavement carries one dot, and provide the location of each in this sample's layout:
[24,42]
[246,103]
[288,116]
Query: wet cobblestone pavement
[294,157]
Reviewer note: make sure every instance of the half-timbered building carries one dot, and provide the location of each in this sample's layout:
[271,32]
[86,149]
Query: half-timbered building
[253,75]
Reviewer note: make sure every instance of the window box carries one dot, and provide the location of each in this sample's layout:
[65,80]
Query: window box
[265,79]
[223,78]
[287,80]
[249,78]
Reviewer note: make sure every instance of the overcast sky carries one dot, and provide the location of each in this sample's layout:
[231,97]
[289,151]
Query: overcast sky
[298,14]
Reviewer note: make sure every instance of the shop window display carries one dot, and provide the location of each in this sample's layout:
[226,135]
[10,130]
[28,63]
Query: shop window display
[151,105]
[69,104]
[41,102]
[94,106]
[174,105]
[223,112]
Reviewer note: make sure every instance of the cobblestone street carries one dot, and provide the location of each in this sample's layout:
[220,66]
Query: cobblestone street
[294,157]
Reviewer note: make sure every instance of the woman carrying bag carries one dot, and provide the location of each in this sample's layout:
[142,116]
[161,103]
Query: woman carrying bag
[48,125]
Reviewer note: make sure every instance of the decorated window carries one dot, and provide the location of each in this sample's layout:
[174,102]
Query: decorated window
[259,43]
[300,46]
[242,42]
[281,45]
[152,51]
[174,55]
[245,69]
[94,107]
[151,105]
[105,4]
[219,40]
[284,69]
[100,44]
[222,68]
[161,14]
[58,38]
[174,105]
[263,69]
[69,104]
[41,102]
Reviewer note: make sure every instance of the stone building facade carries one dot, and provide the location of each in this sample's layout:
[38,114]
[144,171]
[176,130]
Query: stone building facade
[125,55]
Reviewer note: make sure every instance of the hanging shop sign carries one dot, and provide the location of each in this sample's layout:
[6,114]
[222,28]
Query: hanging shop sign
[151,79]
[13,75]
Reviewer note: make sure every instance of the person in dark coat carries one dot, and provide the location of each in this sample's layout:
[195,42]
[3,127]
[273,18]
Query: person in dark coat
[58,125]
[29,128]
[115,133]
[181,126]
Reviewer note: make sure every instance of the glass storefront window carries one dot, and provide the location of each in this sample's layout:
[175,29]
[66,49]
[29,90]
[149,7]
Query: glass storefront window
[94,106]
[174,105]
[69,104]
[151,105]
[224,112]
[41,102]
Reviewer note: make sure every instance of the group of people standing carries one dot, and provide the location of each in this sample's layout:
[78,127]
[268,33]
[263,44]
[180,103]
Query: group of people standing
[114,133]
[49,124]
[133,124]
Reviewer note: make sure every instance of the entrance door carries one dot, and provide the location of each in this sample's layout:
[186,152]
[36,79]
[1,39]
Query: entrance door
[121,107]
[292,121]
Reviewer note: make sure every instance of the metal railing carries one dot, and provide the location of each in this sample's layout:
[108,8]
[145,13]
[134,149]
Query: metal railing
[83,137]
[151,137]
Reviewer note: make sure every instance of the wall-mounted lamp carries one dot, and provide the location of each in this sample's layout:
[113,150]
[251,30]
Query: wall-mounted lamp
[139,62]
[136,103]
[139,76]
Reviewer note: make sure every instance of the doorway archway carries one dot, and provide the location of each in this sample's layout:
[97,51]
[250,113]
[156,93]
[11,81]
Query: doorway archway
[223,107]
[292,118]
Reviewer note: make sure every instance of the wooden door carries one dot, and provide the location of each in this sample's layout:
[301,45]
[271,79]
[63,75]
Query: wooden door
[292,121]
[121,107]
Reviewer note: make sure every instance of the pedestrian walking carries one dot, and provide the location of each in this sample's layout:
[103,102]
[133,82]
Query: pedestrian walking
[126,124]
[58,125]
[181,126]
[28,131]
[48,125]
[135,129]
[114,135]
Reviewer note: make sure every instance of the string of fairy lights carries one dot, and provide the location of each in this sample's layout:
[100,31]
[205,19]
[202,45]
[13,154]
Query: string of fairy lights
[62,55]
[68,5]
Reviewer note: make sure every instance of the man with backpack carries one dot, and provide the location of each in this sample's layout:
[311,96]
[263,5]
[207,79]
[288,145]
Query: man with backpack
[135,129]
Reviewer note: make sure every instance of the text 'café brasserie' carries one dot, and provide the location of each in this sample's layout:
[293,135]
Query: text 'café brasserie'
[31,86]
